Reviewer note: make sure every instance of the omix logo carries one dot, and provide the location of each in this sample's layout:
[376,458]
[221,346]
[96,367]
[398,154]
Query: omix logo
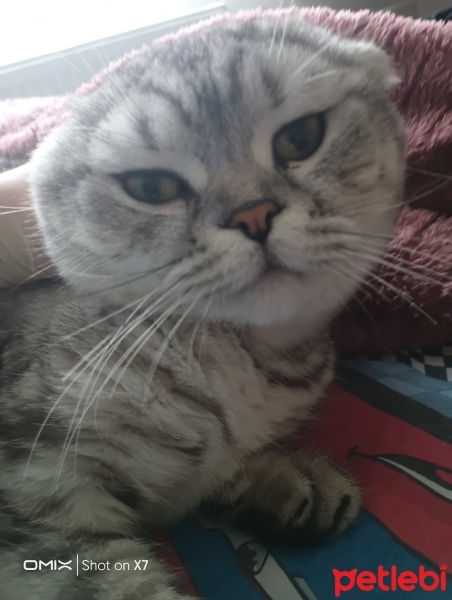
[51,565]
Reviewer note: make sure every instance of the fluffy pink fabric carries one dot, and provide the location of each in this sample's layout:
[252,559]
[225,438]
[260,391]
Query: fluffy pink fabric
[383,319]
[26,121]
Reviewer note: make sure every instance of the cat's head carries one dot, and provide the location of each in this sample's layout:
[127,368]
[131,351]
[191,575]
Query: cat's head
[247,171]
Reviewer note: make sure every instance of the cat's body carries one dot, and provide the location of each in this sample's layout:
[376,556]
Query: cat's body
[214,399]
[205,247]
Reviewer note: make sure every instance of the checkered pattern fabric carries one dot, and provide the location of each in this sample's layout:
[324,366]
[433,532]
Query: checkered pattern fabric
[433,361]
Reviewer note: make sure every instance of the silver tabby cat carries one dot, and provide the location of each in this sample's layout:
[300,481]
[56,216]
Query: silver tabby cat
[205,206]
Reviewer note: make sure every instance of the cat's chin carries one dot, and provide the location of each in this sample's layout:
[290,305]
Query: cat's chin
[281,298]
[276,288]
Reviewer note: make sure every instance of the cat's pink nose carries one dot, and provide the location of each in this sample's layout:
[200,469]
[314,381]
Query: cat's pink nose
[255,222]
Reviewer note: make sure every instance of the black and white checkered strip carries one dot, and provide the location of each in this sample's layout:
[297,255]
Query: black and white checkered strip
[433,361]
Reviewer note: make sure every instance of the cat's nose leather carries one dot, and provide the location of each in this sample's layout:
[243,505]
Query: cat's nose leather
[256,221]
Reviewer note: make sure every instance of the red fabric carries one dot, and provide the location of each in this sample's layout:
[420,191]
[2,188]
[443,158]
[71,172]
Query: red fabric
[361,436]
[167,553]
[422,50]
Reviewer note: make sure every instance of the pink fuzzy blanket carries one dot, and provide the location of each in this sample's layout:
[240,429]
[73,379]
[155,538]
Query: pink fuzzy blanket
[405,308]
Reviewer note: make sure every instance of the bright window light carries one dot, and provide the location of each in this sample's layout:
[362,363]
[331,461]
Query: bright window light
[32,28]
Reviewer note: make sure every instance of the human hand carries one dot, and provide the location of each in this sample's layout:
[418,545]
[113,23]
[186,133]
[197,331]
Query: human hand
[22,256]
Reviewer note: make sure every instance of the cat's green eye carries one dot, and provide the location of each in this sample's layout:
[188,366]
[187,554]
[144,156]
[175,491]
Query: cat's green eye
[152,187]
[300,139]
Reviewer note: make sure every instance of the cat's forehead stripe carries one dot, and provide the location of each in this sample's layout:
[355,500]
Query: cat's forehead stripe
[211,74]
[171,99]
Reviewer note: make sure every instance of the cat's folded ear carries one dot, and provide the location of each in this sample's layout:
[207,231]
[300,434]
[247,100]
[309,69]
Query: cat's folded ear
[376,62]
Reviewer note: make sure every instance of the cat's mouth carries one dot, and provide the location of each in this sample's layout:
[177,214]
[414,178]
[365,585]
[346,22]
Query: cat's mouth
[271,279]
[273,268]
[277,274]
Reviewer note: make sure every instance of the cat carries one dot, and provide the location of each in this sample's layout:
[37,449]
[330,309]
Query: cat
[205,205]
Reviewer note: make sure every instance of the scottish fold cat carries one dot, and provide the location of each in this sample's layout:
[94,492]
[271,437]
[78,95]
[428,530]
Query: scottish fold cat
[205,206]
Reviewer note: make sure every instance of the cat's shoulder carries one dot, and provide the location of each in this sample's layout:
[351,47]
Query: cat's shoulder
[32,313]
[32,301]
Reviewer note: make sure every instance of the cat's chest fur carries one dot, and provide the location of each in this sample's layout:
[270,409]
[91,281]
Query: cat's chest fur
[213,397]
[170,409]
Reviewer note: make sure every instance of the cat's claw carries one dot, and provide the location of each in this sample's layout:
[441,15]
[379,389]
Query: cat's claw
[300,499]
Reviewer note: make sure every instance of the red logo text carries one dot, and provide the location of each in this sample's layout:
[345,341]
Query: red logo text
[390,580]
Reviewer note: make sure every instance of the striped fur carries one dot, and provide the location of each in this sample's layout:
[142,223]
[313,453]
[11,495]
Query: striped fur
[174,359]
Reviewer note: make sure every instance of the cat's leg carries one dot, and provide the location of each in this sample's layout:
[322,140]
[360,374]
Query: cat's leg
[295,497]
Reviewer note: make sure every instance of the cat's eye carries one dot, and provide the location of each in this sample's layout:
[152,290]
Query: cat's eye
[300,139]
[152,187]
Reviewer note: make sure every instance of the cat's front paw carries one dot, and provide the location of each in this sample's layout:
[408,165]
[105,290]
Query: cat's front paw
[296,498]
